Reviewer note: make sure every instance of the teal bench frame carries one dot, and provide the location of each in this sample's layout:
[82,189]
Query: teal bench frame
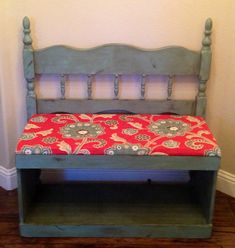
[118,60]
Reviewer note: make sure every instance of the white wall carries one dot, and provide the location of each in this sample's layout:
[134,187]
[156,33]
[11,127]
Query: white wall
[149,24]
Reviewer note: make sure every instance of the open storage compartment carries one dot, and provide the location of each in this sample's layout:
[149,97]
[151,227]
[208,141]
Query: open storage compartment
[113,209]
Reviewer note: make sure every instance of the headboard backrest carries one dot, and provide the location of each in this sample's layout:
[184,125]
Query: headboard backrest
[116,59]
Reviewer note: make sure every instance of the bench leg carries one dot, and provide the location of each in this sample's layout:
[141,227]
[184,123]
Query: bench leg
[28,180]
[203,188]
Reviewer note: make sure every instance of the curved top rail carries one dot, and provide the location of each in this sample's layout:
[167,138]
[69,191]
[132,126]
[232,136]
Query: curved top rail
[117,59]
[128,46]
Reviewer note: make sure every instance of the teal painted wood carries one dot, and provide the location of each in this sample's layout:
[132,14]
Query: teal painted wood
[117,59]
[27,182]
[192,219]
[117,162]
[204,187]
[105,204]
[62,86]
[106,60]
[29,72]
[22,202]
[204,69]
[153,231]
[89,86]
[158,210]
[169,87]
[181,107]
[116,86]
[142,86]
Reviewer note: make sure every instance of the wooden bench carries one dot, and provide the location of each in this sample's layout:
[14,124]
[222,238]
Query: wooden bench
[116,134]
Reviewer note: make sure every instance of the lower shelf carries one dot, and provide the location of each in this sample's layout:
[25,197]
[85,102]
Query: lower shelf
[115,210]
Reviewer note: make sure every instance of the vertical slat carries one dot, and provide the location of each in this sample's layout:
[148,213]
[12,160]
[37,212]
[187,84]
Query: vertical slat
[143,80]
[89,86]
[116,86]
[62,86]
[169,87]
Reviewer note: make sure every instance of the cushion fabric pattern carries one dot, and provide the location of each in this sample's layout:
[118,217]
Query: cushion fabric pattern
[117,134]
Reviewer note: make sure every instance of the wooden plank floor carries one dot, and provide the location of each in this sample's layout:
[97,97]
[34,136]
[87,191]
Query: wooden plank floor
[223,235]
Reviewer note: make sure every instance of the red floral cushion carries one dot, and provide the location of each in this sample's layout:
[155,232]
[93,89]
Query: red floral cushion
[114,134]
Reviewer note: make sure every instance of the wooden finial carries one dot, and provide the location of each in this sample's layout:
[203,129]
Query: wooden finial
[27,38]
[206,42]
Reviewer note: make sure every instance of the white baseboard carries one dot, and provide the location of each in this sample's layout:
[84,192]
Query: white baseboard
[8,178]
[226,183]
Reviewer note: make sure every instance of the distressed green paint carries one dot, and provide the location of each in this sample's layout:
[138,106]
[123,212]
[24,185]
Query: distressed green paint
[158,211]
[62,86]
[204,69]
[89,86]
[142,86]
[27,183]
[204,188]
[117,162]
[29,72]
[117,59]
[100,210]
[181,107]
[146,231]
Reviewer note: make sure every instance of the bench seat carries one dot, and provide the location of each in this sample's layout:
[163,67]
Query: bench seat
[117,134]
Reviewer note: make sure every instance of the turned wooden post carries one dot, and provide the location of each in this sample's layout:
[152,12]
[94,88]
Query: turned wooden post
[62,86]
[29,72]
[89,86]
[169,87]
[142,89]
[116,86]
[204,69]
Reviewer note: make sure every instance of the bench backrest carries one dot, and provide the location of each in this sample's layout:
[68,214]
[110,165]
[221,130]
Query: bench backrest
[117,60]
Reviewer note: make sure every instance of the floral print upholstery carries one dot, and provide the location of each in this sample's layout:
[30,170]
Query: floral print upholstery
[117,134]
